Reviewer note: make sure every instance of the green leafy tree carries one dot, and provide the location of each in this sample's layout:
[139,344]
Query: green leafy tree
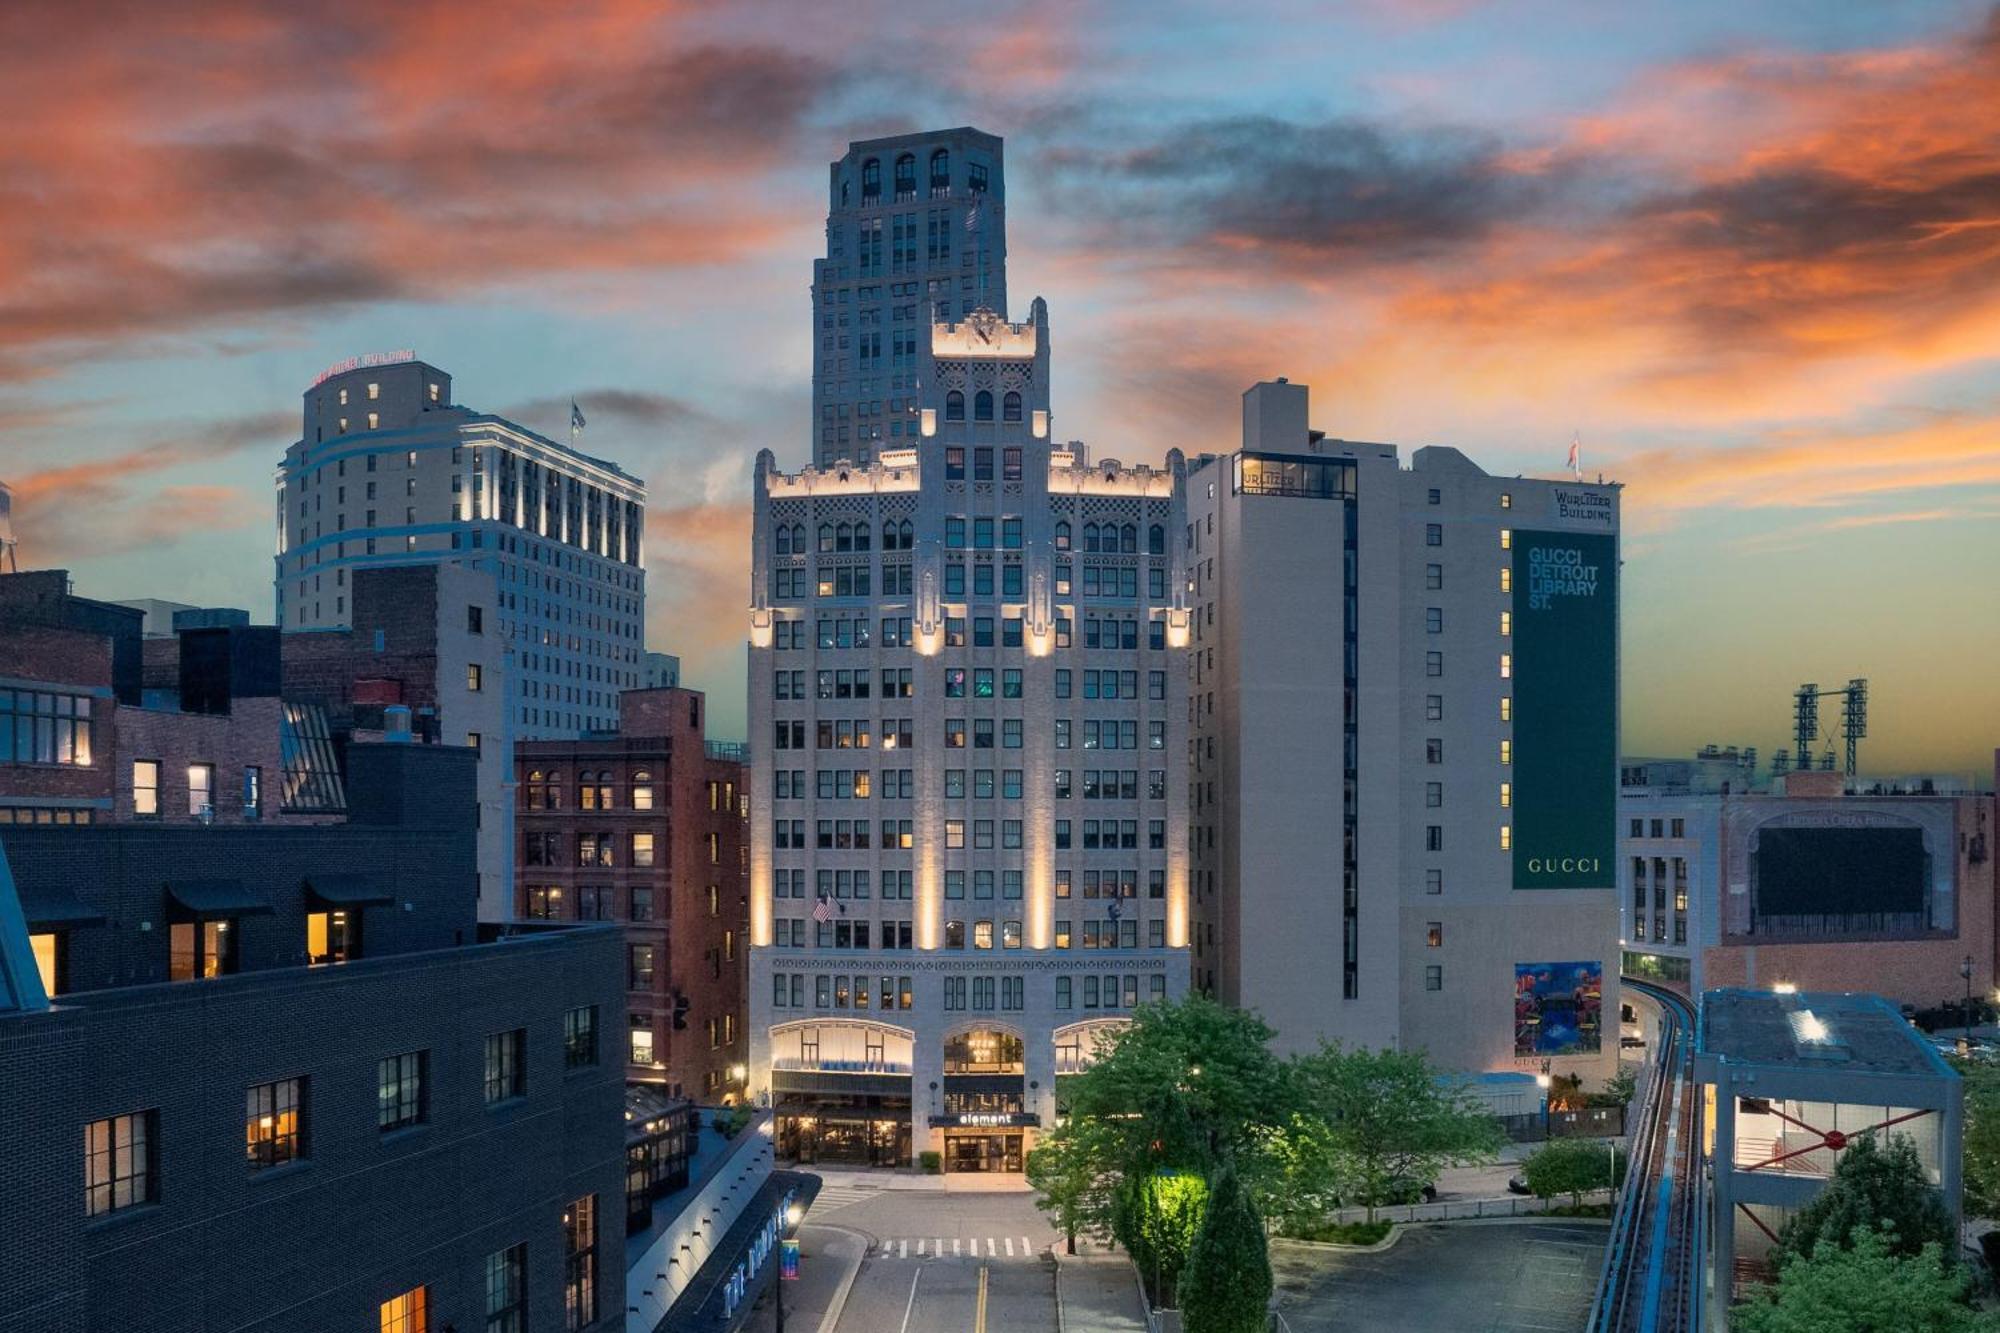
[1570,1166]
[1073,1184]
[1228,1277]
[1392,1122]
[1164,1213]
[1294,1178]
[1187,1082]
[1874,1187]
[1865,1287]
[1169,1095]
[1981,1143]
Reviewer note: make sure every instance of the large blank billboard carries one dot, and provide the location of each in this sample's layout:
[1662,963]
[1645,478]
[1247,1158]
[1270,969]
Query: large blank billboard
[1841,871]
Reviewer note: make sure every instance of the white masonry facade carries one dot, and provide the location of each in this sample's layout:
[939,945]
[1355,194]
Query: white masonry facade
[967,686]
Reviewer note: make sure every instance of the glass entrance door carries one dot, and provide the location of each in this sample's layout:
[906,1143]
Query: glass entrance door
[983,1152]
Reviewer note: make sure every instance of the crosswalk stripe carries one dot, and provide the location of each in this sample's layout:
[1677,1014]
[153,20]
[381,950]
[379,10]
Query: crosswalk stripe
[1025,1247]
[954,1246]
[1010,1247]
[904,1252]
[989,1247]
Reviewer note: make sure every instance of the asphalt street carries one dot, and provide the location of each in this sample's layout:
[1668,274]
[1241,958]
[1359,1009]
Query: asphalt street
[1478,1277]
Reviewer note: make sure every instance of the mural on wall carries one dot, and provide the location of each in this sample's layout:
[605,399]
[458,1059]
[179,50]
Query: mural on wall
[1558,1008]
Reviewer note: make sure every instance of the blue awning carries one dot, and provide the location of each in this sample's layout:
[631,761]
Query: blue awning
[208,898]
[349,890]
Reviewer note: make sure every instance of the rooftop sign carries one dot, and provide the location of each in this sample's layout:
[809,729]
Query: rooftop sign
[366,359]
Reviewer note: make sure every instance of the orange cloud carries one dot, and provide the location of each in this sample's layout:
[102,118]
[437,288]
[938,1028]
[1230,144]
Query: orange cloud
[193,164]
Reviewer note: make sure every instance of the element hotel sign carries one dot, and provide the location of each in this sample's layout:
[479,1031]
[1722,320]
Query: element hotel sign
[365,360]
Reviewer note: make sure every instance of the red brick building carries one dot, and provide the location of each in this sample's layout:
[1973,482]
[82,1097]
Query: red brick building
[76,747]
[650,828]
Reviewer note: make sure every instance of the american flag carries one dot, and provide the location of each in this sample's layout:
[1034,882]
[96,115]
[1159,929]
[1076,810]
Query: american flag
[822,910]
[972,218]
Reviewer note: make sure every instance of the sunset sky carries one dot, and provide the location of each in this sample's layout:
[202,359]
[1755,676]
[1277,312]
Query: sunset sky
[1750,252]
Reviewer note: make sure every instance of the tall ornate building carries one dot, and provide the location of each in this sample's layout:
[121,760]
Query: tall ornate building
[916,230]
[969,721]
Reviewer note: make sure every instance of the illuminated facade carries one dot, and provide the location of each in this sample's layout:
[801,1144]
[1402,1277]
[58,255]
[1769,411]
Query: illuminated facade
[916,231]
[968,721]
[389,471]
[1397,841]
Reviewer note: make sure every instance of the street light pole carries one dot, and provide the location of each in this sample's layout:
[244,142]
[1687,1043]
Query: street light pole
[1965,971]
[1544,1081]
[792,1215]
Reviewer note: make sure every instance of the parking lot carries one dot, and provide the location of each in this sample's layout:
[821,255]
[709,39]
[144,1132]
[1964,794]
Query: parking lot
[1482,1277]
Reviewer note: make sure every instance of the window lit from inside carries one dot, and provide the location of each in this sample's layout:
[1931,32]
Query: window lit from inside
[274,1123]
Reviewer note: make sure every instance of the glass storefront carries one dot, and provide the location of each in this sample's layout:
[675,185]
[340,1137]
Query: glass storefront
[965,1151]
[849,1136]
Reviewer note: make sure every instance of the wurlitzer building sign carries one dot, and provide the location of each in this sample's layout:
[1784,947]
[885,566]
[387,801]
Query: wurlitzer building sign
[366,359]
[1566,703]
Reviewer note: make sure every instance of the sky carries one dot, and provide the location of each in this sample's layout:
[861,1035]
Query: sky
[1748,254]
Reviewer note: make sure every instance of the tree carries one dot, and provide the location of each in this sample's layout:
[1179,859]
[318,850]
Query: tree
[1228,1282]
[1073,1185]
[1294,1178]
[1864,1287]
[1187,1082]
[1570,1166]
[1161,1214]
[1874,1187]
[1393,1123]
[1981,1143]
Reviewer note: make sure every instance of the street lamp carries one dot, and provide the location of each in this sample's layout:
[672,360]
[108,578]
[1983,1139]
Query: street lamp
[793,1214]
[1544,1082]
[1965,971]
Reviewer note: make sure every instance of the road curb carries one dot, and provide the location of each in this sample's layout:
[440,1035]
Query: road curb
[838,1305]
[1396,1229]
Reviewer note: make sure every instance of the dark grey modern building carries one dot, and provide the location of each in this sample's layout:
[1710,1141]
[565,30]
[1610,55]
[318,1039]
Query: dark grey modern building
[290,1084]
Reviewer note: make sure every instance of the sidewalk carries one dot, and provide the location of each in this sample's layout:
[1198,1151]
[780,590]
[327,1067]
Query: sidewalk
[953,1182]
[1097,1292]
[829,1257]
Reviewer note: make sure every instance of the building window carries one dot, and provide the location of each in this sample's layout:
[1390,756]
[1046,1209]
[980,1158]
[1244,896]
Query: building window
[48,951]
[506,1065]
[642,790]
[121,1162]
[1433,534]
[198,950]
[580,1264]
[642,849]
[506,1290]
[37,727]
[201,789]
[580,1037]
[146,787]
[399,1091]
[641,971]
[1434,976]
[1433,880]
[1434,935]
[253,792]
[274,1123]
[642,1039]
[473,676]
[407,1313]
